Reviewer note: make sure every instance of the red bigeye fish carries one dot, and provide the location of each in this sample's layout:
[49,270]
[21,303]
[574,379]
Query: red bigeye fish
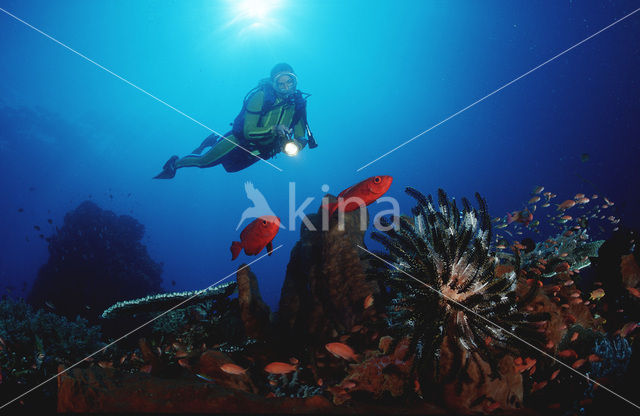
[256,236]
[367,191]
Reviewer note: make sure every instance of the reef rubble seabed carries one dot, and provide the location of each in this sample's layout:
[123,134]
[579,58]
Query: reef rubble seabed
[342,341]
[100,390]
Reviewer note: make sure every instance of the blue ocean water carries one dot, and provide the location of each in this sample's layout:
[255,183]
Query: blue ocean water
[379,74]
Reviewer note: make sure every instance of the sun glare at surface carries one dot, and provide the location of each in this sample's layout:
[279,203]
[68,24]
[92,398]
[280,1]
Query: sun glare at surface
[254,10]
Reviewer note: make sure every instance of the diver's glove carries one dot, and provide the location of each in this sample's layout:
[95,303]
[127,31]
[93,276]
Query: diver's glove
[281,130]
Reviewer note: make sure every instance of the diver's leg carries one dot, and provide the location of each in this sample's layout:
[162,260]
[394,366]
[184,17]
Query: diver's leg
[211,157]
[210,141]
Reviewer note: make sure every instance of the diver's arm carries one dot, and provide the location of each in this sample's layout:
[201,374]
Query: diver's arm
[299,132]
[252,132]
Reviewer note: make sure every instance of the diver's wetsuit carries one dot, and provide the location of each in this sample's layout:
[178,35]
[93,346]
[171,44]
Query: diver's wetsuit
[257,135]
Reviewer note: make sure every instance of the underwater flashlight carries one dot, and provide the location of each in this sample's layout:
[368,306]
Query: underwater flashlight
[291,148]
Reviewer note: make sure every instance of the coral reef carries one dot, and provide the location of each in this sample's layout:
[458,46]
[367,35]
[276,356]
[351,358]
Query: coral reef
[95,259]
[378,374]
[33,343]
[443,282]
[478,391]
[568,251]
[283,386]
[209,365]
[97,390]
[355,335]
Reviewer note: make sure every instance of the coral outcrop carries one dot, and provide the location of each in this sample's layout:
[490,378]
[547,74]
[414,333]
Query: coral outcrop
[254,312]
[326,282]
[95,259]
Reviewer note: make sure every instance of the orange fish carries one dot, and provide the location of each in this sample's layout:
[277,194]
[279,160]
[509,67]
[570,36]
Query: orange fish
[534,199]
[555,374]
[341,350]
[566,205]
[579,363]
[234,369]
[538,385]
[256,236]
[524,217]
[635,292]
[568,354]
[364,192]
[597,294]
[368,302]
[277,367]
[348,385]
[628,328]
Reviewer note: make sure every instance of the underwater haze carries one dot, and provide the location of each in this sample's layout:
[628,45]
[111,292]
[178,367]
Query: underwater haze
[166,74]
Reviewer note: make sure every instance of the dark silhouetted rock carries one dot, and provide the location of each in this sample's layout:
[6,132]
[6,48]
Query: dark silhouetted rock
[325,285]
[95,259]
[253,311]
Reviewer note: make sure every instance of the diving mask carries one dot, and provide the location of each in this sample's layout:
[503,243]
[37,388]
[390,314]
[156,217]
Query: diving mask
[285,83]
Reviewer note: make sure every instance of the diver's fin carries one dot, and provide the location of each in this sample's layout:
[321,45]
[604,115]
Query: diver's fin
[270,247]
[169,169]
[236,248]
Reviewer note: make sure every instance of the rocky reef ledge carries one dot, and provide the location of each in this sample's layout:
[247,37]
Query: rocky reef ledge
[100,390]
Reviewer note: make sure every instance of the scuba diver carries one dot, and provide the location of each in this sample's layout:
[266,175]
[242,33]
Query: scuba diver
[273,119]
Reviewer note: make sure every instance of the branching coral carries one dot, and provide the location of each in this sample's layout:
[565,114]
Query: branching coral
[281,386]
[571,247]
[165,301]
[443,282]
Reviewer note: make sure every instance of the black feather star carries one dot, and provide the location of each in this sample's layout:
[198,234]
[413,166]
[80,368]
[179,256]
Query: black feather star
[442,281]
